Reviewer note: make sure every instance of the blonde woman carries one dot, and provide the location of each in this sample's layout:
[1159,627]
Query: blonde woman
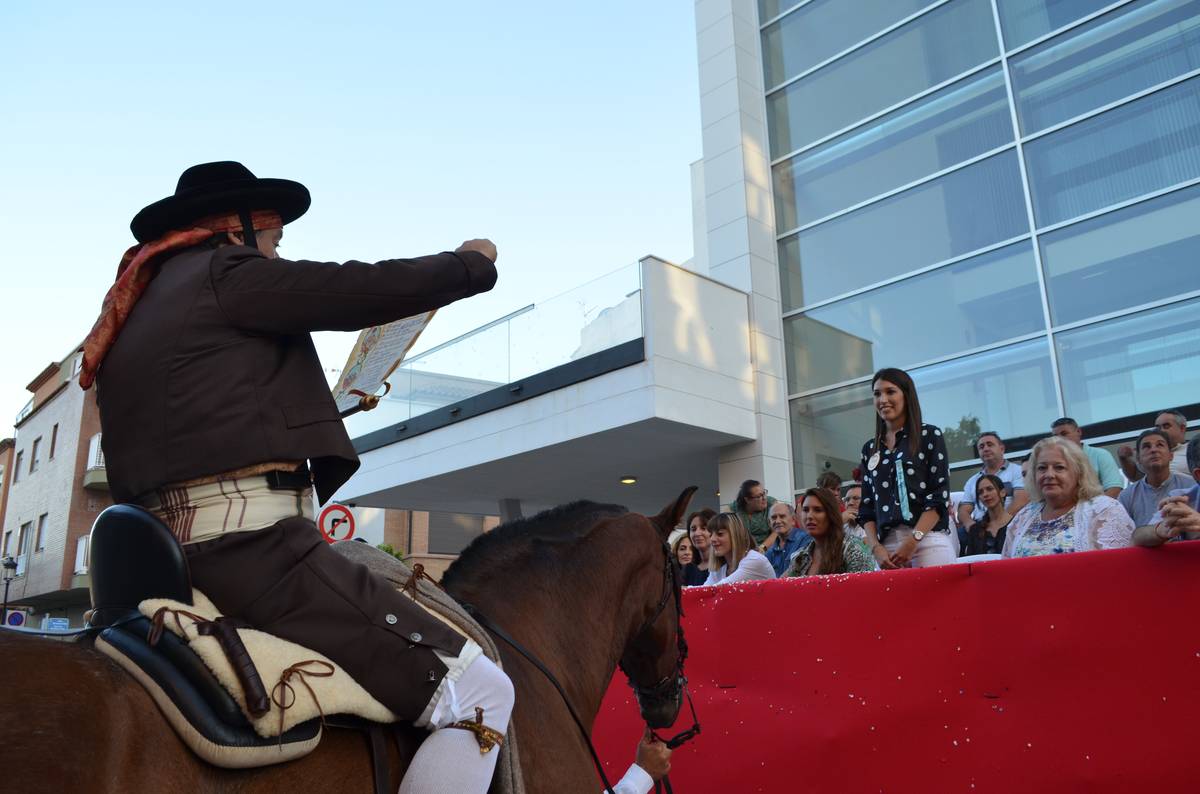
[731,554]
[1067,511]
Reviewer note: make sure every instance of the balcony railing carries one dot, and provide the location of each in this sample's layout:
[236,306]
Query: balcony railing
[24,412]
[95,475]
[591,318]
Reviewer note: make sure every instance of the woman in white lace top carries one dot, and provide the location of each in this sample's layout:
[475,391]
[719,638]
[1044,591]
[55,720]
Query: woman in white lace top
[1067,510]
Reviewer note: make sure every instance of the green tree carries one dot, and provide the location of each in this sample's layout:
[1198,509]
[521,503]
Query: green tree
[960,441]
[397,553]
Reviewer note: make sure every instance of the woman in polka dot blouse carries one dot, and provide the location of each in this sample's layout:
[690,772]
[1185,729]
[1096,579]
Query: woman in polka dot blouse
[906,492]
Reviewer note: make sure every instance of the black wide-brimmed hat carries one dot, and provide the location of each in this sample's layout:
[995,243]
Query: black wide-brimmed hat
[212,188]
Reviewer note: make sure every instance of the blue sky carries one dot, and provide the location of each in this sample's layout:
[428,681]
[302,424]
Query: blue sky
[563,131]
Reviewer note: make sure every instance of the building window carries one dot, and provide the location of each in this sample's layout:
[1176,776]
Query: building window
[53,441]
[33,454]
[7,540]
[1147,145]
[23,547]
[450,533]
[40,539]
[17,468]
[1131,364]
[851,89]
[82,550]
[95,453]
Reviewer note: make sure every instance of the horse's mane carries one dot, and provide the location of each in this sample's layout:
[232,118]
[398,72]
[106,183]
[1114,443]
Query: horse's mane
[558,524]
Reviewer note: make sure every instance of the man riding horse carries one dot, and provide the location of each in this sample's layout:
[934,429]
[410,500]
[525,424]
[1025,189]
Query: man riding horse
[218,419]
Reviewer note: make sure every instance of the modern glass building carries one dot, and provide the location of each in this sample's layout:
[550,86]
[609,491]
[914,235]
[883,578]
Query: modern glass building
[1001,196]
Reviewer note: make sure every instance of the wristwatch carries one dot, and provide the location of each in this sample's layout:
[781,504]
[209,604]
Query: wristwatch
[917,535]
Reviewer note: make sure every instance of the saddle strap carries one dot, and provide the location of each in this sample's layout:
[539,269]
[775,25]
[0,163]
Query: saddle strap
[379,761]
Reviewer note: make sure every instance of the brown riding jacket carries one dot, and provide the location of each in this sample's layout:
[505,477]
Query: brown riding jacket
[215,369]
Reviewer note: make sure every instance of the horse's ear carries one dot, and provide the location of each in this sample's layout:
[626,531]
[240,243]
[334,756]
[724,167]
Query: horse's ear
[672,514]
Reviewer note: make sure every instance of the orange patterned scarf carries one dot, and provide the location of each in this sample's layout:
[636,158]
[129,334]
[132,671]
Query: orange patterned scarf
[138,267]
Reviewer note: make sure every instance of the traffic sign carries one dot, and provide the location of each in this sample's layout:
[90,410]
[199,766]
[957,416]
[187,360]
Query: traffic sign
[336,522]
[15,618]
[58,624]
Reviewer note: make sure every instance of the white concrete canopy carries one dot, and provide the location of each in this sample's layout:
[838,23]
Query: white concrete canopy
[664,456]
[664,420]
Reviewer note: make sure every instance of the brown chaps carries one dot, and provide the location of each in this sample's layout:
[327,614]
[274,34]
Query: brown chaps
[287,581]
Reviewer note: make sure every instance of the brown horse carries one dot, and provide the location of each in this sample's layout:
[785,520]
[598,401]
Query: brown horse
[580,586]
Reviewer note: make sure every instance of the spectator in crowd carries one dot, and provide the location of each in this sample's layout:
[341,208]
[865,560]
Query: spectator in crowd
[1067,510]
[697,523]
[851,502]
[905,491]
[1102,462]
[831,481]
[785,539]
[1174,424]
[682,549]
[986,535]
[832,550]
[1141,497]
[1178,517]
[990,448]
[751,506]
[731,553]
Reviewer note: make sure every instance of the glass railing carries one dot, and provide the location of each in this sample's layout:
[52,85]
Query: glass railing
[595,316]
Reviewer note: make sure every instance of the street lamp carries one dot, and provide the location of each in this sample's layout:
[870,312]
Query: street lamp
[10,571]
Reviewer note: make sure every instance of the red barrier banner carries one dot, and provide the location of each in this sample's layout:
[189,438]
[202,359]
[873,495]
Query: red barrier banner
[1072,673]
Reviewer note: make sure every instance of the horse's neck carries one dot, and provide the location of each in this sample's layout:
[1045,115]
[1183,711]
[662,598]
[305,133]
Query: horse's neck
[575,625]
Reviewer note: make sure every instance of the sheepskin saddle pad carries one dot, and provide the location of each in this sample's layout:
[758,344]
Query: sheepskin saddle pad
[189,675]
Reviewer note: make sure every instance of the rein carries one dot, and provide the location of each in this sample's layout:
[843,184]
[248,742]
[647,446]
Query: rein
[487,623]
[668,687]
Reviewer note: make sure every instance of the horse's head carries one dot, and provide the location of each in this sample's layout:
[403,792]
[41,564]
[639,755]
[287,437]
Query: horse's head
[654,655]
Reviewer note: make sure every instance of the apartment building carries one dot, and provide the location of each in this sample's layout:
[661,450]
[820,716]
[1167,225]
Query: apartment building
[56,488]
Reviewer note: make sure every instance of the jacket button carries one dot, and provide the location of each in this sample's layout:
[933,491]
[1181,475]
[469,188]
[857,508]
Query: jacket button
[415,636]
[390,618]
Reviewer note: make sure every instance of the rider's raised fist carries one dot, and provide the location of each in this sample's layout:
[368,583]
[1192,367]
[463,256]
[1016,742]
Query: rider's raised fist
[483,246]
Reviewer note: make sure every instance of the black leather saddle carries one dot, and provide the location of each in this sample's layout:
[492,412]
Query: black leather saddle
[134,557]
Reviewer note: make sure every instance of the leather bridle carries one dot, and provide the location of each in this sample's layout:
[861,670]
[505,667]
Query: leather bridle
[672,687]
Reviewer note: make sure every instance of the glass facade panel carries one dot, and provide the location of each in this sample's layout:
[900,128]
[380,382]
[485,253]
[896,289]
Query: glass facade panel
[957,213]
[1025,20]
[769,9]
[1009,390]
[1159,240]
[852,338]
[1130,365]
[957,123]
[1129,151]
[1113,56]
[822,29]
[927,51]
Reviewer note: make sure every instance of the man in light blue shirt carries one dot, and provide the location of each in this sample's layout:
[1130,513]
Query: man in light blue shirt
[1178,518]
[991,453]
[1142,497]
[1102,462]
[786,538]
